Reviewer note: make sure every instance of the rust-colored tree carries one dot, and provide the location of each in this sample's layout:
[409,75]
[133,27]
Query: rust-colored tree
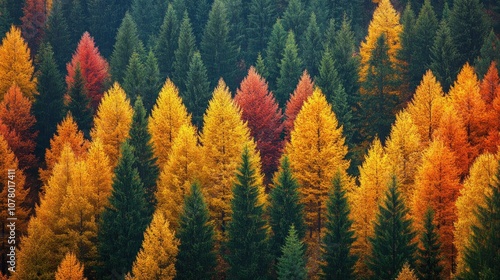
[490,92]
[304,89]
[33,23]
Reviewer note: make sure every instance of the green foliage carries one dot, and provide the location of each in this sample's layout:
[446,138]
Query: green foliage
[392,244]
[248,245]
[133,82]
[58,36]
[490,51]
[407,38]
[196,258]
[124,221]
[148,15]
[237,21]
[76,17]
[260,67]
[274,52]
[261,17]
[152,81]
[197,92]
[198,14]
[292,265]
[429,259]
[337,242]
[186,47]
[311,46]
[295,18]
[290,70]
[79,104]
[167,42]
[445,62]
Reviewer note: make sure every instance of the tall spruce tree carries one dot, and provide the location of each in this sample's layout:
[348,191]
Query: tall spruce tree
[57,35]
[148,15]
[197,91]
[292,265]
[248,244]
[311,46]
[490,51]
[124,220]
[429,257]
[167,42]
[445,62]
[274,53]
[260,67]
[295,17]
[152,81]
[186,47]
[337,242]
[80,104]
[290,68]
[196,258]
[392,244]
[135,74]
[407,50]
[260,20]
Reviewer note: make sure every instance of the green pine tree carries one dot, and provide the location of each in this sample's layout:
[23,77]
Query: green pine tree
[285,208]
[152,81]
[124,221]
[328,79]
[260,67]
[429,257]
[247,245]
[490,51]
[58,36]
[140,141]
[292,265]
[133,82]
[392,244]
[290,70]
[445,62]
[318,7]
[196,258]
[330,35]
[407,50]
[167,42]
[311,46]
[237,22]
[197,92]
[274,53]
[295,18]
[148,15]
[261,17]
[337,242]
[5,20]
[80,104]
[186,47]
[76,17]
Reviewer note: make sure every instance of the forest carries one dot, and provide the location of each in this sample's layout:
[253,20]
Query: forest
[258,139]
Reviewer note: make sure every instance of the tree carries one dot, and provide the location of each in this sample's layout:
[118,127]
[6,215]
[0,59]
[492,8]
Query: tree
[408,49]
[444,56]
[407,273]
[196,258]
[295,18]
[392,244]
[263,116]
[437,186]
[316,152]
[112,122]
[157,257]
[285,209]
[291,264]
[149,15]
[183,54]
[93,66]
[339,237]
[489,86]
[429,252]
[260,19]
[168,115]
[311,46]
[118,245]
[16,65]
[57,35]
[274,52]
[197,88]
[70,268]
[134,78]
[152,82]
[127,42]
[217,47]
[304,89]
[33,27]
[248,243]
[487,54]
[79,104]
[290,68]
[167,42]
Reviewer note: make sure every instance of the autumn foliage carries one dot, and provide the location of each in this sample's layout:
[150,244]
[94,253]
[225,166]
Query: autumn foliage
[304,89]
[33,27]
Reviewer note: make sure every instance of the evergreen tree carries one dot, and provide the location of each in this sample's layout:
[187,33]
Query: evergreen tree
[184,53]
[311,46]
[429,254]
[248,245]
[140,141]
[135,74]
[152,81]
[235,14]
[261,17]
[285,208]
[166,43]
[196,258]
[392,244]
[274,52]
[58,36]
[79,104]
[260,67]
[198,14]
[407,38]
[290,70]
[292,265]
[148,15]
[5,20]
[490,51]
[197,91]
[76,17]
[48,108]
[339,237]
[445,57]
[295,18]
[124,221]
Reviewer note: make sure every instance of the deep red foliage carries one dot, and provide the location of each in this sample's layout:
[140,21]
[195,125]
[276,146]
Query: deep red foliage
[33,23]
[93,66]
[263,115]
[304,89]
[490,85]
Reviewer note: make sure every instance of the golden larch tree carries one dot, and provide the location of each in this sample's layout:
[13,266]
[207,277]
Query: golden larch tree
[112,122]
[374,177]
[167,116]
[181,170]
[407,273]
[70,268]
[476,186]
[317,152]
[427,107]
[16,65]
[437,186]
[157,257]
[97,164]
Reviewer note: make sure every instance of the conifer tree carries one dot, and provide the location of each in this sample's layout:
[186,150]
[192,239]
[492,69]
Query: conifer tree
[152,81]
[33,23]
[290,68]
[311,46]
[285,209]
[167,42]
[261,16]
[444,56]
[339,237]
[295,18]
[489,52]
[118,244]
[70,268]
[186,47]
[392,244]
[274,52]
[76,16]
[292,264]
[79,104]
[304,89]
[196,258]
[429,252]
[134,78]
[260,67]
[407,273]
[197,88]
[248,243]
[57,35]
[148,15]
[489,86]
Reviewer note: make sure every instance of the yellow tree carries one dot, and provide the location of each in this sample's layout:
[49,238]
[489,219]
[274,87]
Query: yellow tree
[407,273]
[70,268]
[112,122]
[476,186]
[16,65]
[180,171]
[373,179]
[385,21]
[67,133]
[101,179]
[317,152]
[168,115]
[224,137]
[403,151]
[437,186]
[157,257]
[427,106]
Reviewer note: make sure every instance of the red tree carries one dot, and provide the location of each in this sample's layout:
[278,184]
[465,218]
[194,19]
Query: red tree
[260,110]
[490,92]
[304,89]
[33,23]
[93,66]
[490,85]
